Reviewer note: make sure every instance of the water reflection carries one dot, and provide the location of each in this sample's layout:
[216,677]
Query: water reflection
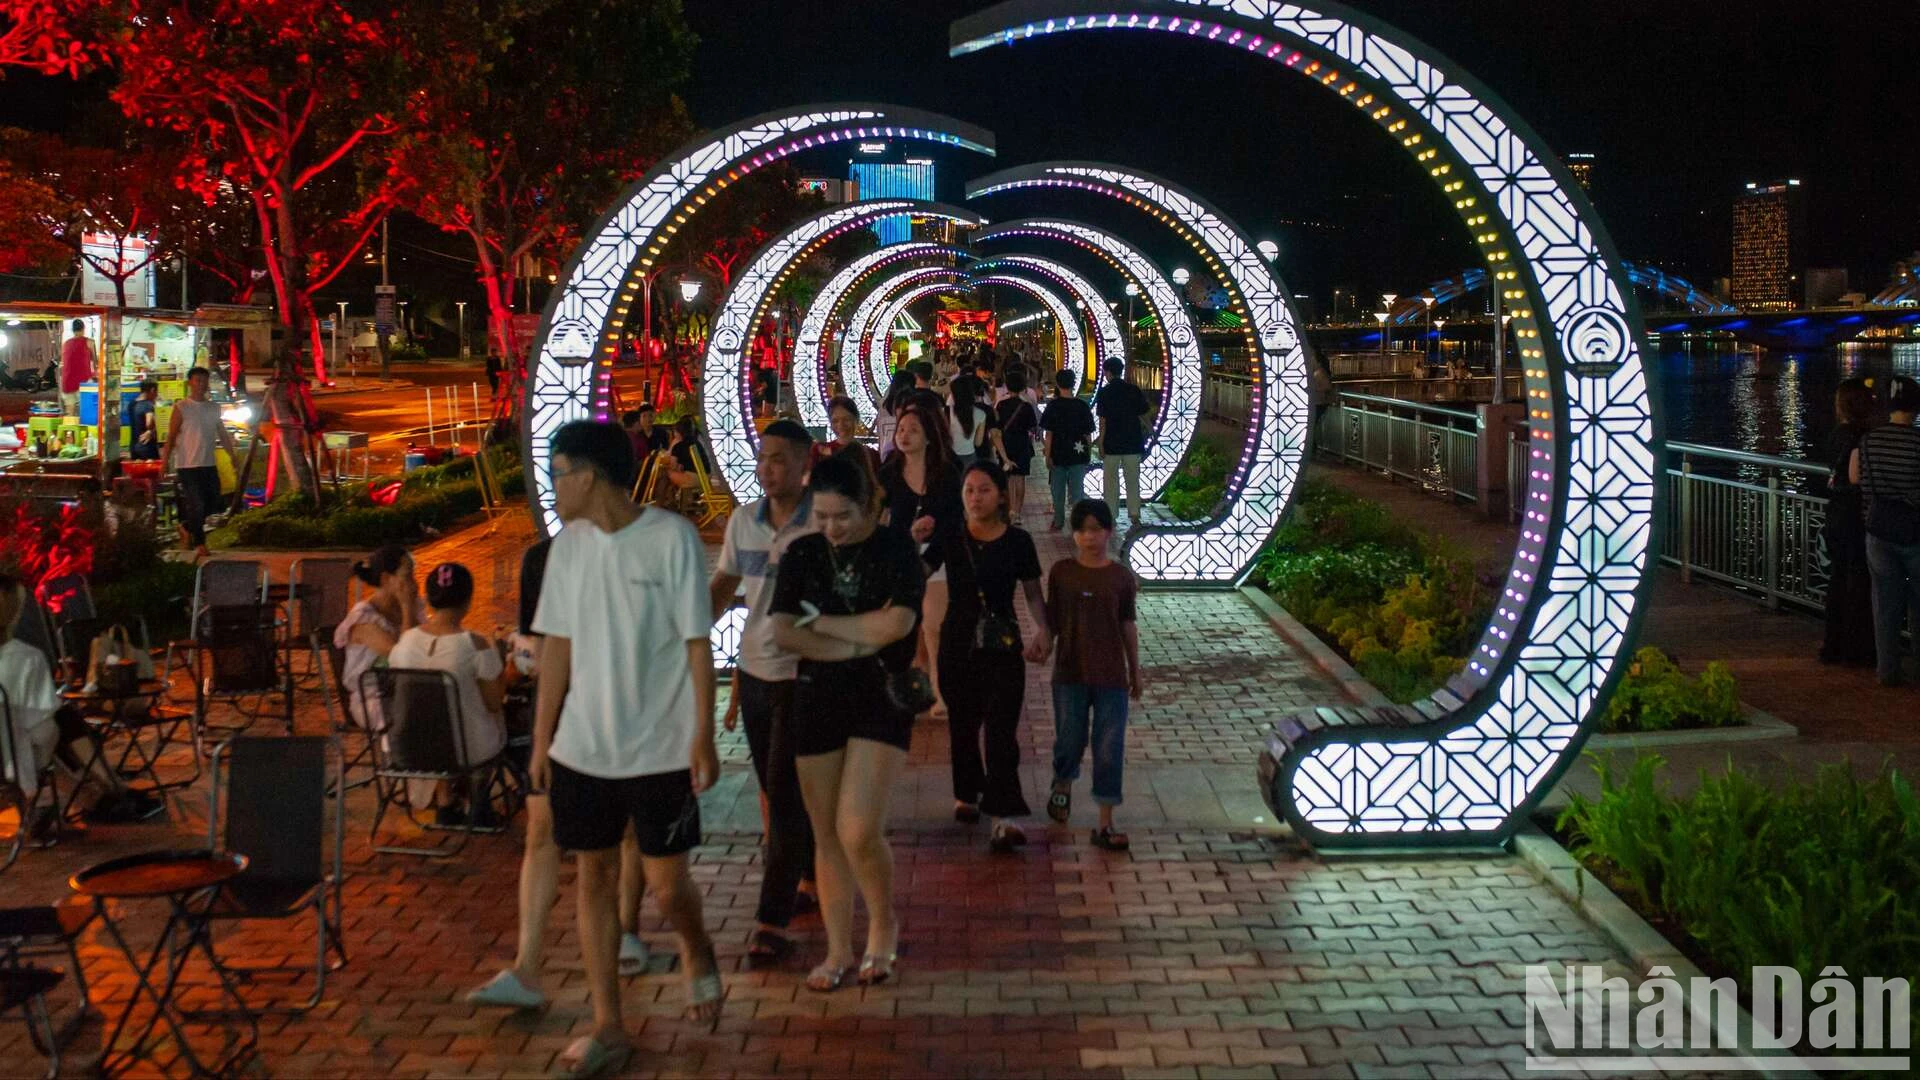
[1761,402]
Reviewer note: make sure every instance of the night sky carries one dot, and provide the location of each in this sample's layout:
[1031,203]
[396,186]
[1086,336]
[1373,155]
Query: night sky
[1683,101]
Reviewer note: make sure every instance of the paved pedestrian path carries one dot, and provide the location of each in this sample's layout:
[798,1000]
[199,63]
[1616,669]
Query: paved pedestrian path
[1215,948]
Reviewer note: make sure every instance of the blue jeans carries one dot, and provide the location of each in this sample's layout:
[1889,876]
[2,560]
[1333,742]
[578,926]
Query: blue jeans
[1896,600]
[1061,478]
[1073,705]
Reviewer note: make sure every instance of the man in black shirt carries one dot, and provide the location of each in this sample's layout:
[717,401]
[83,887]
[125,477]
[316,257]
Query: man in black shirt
[1068,427]
[1122,408]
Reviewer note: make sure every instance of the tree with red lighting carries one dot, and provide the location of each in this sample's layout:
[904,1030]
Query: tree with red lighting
[743,218]
[25,204]
[39,34]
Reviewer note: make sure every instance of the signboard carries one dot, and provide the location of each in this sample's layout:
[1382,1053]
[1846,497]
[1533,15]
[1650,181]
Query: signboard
[102,249]
[383,304]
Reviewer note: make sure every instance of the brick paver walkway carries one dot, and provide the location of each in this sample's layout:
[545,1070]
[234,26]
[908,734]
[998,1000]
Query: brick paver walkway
[1216,948]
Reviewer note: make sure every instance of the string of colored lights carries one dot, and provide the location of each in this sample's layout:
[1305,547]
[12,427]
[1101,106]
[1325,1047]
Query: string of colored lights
[1074,341]
[854,380]
[813,341]
[1110,344]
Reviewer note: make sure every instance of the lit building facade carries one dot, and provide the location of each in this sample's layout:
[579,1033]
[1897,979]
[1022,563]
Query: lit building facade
[832,190]
[1581,166]
[1767,223]
[880,171]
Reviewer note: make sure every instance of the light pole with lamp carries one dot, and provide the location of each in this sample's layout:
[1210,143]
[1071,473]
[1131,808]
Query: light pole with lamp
[1383,317]
[1132,291]
[1426,346]
[1386,327]
[460,329]
[1336,305]
[1500,354]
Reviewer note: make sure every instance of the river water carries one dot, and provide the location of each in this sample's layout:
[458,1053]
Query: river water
[1765,402]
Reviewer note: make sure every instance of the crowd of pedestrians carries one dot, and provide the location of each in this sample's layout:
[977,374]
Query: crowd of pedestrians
[881,592]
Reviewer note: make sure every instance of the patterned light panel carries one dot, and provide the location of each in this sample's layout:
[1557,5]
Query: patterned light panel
[1179,414]
[1468,764]
[877,343]
[1063,312]
[726,396]
[812,342]
[1110,344]
[1220,550]
[854,378]
[586,312]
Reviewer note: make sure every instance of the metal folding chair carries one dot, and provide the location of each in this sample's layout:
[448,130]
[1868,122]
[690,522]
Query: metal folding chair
[25,988]
[14,767]
[714,503]
[218,583]
[333,696]
[425,739]
[239,660]
[276,793]
[50,931]
[322,588]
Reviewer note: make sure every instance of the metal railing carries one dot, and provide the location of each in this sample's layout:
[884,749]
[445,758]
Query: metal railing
[1760,529]
[1430,445]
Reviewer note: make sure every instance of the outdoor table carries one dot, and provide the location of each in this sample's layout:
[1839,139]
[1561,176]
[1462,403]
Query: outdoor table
[110,711]
[188,880]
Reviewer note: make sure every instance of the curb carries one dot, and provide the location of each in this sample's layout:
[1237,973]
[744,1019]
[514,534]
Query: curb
[1632,935]
[1759,726]
[1357,689]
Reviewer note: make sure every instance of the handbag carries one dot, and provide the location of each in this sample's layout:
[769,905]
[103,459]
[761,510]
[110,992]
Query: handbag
[114,666]
[909,691]
[1897,521]
[993,632]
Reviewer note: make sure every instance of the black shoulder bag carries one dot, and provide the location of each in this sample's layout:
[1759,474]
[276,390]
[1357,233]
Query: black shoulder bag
[993,632]
[1895,520]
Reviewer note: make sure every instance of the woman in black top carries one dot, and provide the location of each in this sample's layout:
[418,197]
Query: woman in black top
[1887,468]
[1849,601]
[980,664]
[921,484]
[847,600]
[1018,420]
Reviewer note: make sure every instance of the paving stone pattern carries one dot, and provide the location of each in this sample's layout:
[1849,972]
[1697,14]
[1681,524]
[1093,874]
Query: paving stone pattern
[1216,948]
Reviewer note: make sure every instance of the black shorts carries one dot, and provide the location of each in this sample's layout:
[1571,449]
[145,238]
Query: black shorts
[831,706]
[1020,464]
[590,813]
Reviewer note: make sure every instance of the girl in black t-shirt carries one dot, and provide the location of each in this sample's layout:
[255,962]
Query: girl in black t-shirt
[980,663]
[921,483]
[847,601]
[1018,420]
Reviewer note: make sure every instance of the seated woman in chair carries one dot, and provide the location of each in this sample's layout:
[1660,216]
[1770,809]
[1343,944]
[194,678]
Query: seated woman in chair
[44,730]
[373,625]
[440,643]
[685,448]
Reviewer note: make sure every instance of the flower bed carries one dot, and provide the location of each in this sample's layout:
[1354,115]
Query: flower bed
[1199,485]
[1741,873]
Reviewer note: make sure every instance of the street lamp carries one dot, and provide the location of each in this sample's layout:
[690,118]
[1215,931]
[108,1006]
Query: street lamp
[1383,317]
[1132,291]
[461,330]
[1180,275]
[1268,250]
[403,321]
[1336,305]
[1425,347]
[690,289]
[1386,330]
[338,324]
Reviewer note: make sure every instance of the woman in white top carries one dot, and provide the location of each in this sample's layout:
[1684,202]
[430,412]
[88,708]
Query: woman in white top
[372,626]
[191,436]
[440,643]
[967,420]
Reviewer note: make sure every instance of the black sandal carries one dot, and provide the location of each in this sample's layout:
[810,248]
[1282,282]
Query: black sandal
[766,948]
[966,813]
[1108,839]
[1060,804]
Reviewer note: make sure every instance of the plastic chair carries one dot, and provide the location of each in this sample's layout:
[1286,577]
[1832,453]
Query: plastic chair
[650,476]
[425,739]
[276,793]
[714,504]
[13,766]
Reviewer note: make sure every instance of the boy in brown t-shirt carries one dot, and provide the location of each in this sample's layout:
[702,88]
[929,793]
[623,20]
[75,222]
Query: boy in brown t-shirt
[1096,667]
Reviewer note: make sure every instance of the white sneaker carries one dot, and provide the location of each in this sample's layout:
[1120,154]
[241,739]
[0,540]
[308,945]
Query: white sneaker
[507,991]
[633,954]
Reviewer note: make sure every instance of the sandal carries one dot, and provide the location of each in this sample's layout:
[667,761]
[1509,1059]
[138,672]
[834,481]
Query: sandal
[1006,837]
[1109,839]
[966,813]
[591,1057]
[705,989]
[875,970]
[826,978]
[1060,803]
[765,947]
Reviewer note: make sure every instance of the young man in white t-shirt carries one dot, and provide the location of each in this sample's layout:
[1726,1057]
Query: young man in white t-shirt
[624,731]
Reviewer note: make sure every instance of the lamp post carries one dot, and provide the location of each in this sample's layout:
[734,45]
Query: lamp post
[1383,317]
[1500,354]
[1269,250]
[1132,291]
[460,331]
[1336,305]
[1426,349]
[1386,324]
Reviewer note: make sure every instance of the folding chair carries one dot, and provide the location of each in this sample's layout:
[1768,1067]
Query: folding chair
[425,739]
[25,988]
[276,793]
[714,504]
[52,930]
[333,695]
[14,767]
[218,583]
[239,660]
[649,476]
[323,591]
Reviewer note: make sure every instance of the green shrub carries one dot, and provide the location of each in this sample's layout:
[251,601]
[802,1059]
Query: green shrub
[365,527]
[1200,483]
[159,593]
[1810,874]
[1318,585]
[1323,514]
[1656,695]
[406,352]
[1418,635]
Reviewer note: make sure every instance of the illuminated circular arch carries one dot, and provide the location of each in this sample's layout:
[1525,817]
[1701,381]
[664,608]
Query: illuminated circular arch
[853,377]
[1109,343]
[726,384]
[585,313]
[1468,764]
[877,343]
[1220,550]
[1179,414]
[811,344]
[1062,311]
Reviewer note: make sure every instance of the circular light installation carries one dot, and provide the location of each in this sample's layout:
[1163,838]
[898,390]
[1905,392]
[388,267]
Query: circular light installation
[585,314]
[853,376]
[1182,375]
[726,397]
[1220,550]
[1111,345]
[1063,312]
[878,342]
[812,341]
[1468,764]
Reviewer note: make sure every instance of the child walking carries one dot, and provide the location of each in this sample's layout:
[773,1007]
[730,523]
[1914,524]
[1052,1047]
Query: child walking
[1090,602]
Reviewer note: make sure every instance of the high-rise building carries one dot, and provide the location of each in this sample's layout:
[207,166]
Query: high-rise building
[882,172]
[833,191]
[1767,224]
[1581,166]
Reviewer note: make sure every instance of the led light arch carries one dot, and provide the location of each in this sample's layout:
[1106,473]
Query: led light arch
[854,379]
[726,383]
[876,345]
[584,315]
[1221,549]
[1468,764]
[1179,414]
[1109,344]
[813,340]
[1063,312]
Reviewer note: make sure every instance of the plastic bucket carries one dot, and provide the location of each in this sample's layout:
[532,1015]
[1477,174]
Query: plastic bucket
[414,460]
